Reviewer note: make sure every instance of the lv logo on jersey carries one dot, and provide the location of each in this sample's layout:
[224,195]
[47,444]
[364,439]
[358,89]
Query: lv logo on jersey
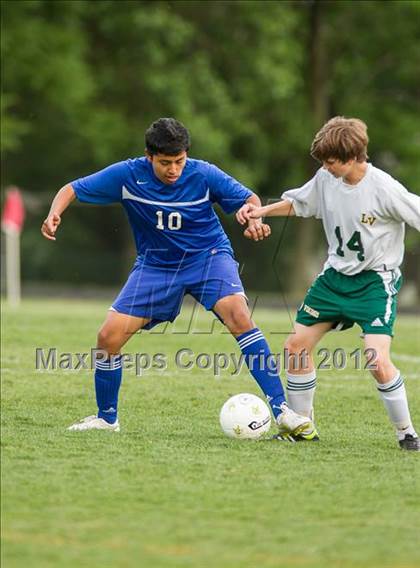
[368,219]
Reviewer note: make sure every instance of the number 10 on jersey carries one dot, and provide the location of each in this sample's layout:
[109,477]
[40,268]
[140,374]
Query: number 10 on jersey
[173,221]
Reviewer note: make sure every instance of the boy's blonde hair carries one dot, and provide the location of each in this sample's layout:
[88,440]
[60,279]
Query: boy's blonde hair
[341,138]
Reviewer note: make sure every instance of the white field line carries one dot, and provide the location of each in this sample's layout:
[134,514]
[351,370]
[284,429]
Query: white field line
[359,377]
[408,358]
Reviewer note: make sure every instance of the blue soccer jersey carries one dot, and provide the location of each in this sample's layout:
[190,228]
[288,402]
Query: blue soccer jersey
[172,224]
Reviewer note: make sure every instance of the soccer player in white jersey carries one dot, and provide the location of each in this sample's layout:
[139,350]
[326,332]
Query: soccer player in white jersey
[363,211]
[181,249]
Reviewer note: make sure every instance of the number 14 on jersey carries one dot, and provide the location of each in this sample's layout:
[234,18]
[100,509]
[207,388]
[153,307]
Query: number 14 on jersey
[354,243]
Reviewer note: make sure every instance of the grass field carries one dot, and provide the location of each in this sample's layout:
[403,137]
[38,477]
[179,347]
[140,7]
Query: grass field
[171,490]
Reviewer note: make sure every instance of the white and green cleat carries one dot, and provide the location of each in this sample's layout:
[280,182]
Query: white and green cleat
[291,423]
[310,434]
[307,435]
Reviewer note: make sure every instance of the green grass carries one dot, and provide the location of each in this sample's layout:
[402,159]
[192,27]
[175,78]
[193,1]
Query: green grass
[171,490]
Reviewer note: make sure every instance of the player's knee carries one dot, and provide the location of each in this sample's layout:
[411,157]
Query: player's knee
[295,345]
[382,367]
[239,321]
[107,340]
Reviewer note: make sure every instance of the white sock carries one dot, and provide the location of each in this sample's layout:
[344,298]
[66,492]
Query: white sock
[300,392]
[395,400]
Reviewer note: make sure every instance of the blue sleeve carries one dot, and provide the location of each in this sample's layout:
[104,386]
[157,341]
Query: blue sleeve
[104,186]
[226,190]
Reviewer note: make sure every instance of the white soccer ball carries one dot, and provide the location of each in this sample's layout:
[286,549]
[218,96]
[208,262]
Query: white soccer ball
[245,416]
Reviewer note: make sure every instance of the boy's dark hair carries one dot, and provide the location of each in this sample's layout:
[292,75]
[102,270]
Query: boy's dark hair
[341,138]
[167,136]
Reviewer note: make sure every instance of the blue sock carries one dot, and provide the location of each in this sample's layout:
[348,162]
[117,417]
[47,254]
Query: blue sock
[108,376]
[261,365]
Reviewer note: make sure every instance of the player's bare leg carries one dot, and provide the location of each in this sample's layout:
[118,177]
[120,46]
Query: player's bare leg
[116,330]
[300,344]
[300,368]
[391,388]
[234,312]
[114,333]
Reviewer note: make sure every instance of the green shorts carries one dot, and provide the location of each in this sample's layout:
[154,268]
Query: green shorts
[368,299]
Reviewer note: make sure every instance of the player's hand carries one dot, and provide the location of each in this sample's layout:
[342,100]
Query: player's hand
[249,211]
[257,231]
[243,214]
[256,213]
[50,226]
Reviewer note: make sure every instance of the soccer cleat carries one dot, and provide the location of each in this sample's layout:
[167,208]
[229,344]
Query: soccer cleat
[291,423]
[410,442]
[94,423]
[283,438]
[307,435]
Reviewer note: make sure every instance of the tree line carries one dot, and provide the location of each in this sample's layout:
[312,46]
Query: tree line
[252,80]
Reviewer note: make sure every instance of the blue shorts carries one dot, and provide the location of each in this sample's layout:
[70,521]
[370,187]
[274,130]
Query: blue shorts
[157,293]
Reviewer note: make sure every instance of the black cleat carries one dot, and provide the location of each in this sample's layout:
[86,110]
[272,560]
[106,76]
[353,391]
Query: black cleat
[410,443]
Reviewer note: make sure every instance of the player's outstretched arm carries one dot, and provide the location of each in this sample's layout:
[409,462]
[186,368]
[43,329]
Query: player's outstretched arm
[60,203]
[249,211]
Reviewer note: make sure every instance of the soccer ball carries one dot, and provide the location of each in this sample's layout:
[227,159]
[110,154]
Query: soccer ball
[245,416]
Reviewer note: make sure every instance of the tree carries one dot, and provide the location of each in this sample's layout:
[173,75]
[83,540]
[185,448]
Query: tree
[252,80]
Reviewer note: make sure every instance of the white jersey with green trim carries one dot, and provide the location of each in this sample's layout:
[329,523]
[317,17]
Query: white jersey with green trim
[363,223]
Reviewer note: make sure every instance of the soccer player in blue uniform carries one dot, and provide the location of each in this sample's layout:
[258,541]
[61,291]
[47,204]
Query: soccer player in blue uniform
[181,249]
